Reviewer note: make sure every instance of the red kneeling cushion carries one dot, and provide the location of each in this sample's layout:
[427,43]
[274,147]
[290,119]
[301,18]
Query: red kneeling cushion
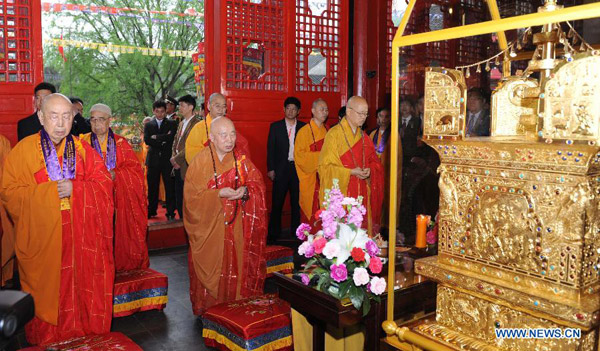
[110,341]
[261,323]
[139,290]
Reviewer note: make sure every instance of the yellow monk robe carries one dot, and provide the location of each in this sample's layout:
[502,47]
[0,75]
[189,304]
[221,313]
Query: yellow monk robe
[8,232]
[131,206]
[226,261]
[382,142]
[198,139]
[307,147]
[343,151]
[65,255]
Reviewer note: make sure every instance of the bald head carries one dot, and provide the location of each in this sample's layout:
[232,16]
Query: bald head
[222,136]
[56,116]
[217,105]
[357,111]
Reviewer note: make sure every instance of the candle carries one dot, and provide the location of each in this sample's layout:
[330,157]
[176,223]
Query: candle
[422,222]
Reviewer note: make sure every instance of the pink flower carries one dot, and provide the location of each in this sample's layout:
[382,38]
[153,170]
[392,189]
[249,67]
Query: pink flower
[375,265]
[337,209]
[355,217]
[431,237]
[302,231]
[372,248]
[319,244]
[305,278]
[329,224]
[331,250]
[339,273]
[360,276]
[377,285]
[306,249]
[335,197]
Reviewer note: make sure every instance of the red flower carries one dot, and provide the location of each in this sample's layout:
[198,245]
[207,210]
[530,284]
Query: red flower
[375,265]
[358,254]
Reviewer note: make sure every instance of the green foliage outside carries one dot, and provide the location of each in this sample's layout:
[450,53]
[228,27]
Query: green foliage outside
[128,83]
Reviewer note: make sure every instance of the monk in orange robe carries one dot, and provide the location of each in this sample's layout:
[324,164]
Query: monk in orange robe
[349,156]
[59,194]
[7,233]
[199,136]
[307,148]
[131,202]
[382,141]
[225,218]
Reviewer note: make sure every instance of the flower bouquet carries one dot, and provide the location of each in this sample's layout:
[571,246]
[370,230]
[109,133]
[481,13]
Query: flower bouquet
[342,258]
[432,236]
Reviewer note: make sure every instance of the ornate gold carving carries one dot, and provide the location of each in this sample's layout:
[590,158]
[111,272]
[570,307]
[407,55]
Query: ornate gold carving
[513,111]
[571,102]
[444,102]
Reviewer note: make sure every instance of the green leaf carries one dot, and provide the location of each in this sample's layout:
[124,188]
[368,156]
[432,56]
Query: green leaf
[310,262]
[357,296]
[366,306]
[344,288]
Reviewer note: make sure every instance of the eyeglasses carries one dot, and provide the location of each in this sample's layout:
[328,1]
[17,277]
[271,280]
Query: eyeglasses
[362,114]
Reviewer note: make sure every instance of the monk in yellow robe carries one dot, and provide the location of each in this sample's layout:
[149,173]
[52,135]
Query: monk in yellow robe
[382,141]
[349,156]
[199,136]
[7,233]
[307,147]
[225,218]
[59,194]
[130,200]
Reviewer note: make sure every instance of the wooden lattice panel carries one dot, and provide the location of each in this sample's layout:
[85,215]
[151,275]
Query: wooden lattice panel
[15,47]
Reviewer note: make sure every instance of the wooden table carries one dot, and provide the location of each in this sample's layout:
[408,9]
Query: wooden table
[413,295]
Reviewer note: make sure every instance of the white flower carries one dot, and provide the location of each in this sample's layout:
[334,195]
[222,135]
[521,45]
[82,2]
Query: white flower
[302,248]
[378,285]
[331,249]
[347,239]
[360,276]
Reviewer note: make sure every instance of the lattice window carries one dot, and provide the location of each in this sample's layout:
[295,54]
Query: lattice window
[318,47]
[255,36]
[15,41]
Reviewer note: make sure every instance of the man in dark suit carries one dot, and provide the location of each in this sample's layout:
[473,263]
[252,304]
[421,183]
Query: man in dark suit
[187,104]
[281,167]
[410,129]
[158,135]
[80,125]
[478,119]
[31,125]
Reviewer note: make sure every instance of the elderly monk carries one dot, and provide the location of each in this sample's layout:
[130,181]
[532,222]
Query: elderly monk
[307,148]
[225,218]
[382,141]
[199,137]
[349,155]
[7,231]
[59,194]
[130,201]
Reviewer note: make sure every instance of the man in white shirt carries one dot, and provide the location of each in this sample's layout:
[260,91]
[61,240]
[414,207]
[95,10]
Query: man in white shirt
[281,167]
[478,119]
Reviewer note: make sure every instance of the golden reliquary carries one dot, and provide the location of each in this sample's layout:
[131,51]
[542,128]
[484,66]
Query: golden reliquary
[519,226]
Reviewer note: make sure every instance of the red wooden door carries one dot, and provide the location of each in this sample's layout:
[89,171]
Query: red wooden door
[21,65]
[258,52]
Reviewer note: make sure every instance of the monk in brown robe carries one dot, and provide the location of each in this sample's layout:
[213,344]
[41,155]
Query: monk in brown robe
[225,218]
[59,194]
[7,234]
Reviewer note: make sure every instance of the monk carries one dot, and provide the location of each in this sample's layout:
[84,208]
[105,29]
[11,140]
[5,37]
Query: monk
[200,134]
[59,194]
[382,141]
[7,231]
[307,148]
[349,156]
[226,221]
[130,201]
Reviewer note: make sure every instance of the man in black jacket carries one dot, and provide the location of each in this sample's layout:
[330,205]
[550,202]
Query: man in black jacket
[158,135]
[31,125]
[281,167]
[80,124]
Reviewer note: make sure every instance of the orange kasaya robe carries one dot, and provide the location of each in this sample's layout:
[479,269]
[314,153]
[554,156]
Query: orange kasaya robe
[382,143]
[7,230]
[226,261]
[343,151]
[198,139]
[131,207]
[307,147]
[65,256]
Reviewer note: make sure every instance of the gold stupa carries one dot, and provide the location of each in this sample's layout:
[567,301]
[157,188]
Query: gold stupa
[519,226]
